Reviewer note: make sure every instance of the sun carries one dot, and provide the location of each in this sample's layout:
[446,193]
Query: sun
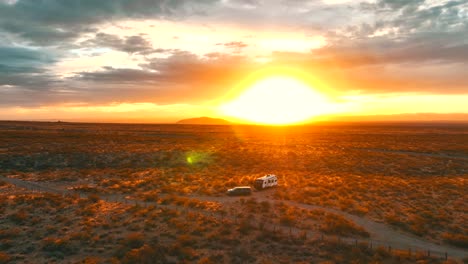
[277,100]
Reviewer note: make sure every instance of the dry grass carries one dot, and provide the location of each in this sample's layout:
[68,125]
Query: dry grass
[419,188]
[121,233]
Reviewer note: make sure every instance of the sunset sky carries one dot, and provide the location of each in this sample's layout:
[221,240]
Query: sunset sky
[163,60]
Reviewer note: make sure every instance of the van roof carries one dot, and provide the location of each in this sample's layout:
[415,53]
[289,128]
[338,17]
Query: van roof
[266,177]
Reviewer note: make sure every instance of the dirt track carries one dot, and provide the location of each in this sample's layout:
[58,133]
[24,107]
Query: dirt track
[379,233]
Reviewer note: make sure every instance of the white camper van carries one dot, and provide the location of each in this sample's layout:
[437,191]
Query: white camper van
[266,181]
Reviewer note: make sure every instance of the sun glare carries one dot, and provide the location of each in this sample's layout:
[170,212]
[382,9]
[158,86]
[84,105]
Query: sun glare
[277,100]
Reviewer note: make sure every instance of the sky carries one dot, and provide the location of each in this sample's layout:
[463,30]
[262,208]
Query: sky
[162,60]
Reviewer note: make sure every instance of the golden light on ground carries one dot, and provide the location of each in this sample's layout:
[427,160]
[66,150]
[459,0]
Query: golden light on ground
[277,100]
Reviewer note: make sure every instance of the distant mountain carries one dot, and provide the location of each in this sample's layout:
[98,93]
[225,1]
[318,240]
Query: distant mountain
[203,121]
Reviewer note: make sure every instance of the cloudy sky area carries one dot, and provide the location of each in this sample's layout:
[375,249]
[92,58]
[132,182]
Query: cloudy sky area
[161,60]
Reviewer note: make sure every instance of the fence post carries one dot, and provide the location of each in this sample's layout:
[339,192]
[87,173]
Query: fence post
[390,249]
[428,253]
[446,256]
[409,252]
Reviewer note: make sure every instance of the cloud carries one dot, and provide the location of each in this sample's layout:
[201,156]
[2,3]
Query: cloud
[382,51]
[50,22]
[109,75]
[129,44]
[51,27]
[183,77]
[22,70]
[406,46]
[21,57]
[412,68]
[236,46]
[244,4]
[402,19]
[383,46]
[307,15]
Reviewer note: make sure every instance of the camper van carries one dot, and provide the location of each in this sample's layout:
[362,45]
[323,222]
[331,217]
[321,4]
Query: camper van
[266,181]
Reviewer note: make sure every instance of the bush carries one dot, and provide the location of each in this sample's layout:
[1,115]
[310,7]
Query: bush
[9,233]
[186,240]
[245,227]
[91,260]
[338,225]
[242,255]
[4,258]
[287,220]
[93,198]
[5,244]
[19,217]
[134,240]
[183,253]
[146,255]
[265,206]
[458,240]
[57,245]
